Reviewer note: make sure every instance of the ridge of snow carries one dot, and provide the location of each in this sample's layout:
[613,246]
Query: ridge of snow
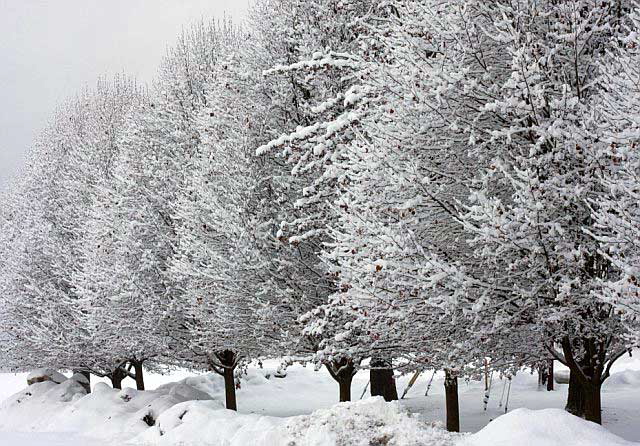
[548,427]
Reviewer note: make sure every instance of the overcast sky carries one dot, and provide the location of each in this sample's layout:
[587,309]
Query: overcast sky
[50,49]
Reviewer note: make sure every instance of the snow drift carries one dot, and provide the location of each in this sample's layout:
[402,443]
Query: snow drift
[185,413]
[105,413]
[368,422]
[190,412]
[547,427]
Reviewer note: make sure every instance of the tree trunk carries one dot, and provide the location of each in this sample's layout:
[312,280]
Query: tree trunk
[486,375]
[575,396]
[550,376]
[116,378]
[342,371]
[382,381]
[345,389]
[451,398]
[592,403]
[230,389]
[228,360]
[137,367]
[590,370]
[542,376]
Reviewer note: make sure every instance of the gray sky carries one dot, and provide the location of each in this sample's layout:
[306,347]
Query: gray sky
[50,49]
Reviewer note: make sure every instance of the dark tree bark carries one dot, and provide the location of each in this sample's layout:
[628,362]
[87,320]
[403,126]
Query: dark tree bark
[116,378]
[585,371]
[230,389]
[575,396]
[382,381]
[589,363]
[342,371]
[542,376]
[550,376]
[451,400]
[228,360]
[345,389]
[592,403]
[137,367]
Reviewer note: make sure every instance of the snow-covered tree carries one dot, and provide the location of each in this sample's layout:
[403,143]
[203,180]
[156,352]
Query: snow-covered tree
[219,265]
[313,66]
[616,120]
[136,228]
[526,122]
[55,196]
[487,100]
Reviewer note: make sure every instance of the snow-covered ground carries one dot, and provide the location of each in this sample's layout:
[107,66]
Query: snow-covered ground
[188,409]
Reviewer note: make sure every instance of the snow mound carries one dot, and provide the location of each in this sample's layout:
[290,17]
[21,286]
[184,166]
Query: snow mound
[36,405]
[209,384]
[184,391]
[363,423]
[628,379]
[43,393]
[45,374]
[105,413]
[82,380]
[205,423]
[548,427]
[371,422]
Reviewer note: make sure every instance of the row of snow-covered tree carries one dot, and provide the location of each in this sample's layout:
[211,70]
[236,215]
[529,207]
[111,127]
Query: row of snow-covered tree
[427,184]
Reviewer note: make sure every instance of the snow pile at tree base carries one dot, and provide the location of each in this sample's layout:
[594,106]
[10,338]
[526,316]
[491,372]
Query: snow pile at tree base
[105,413]
[362,423]
[548,427]
[368,422]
